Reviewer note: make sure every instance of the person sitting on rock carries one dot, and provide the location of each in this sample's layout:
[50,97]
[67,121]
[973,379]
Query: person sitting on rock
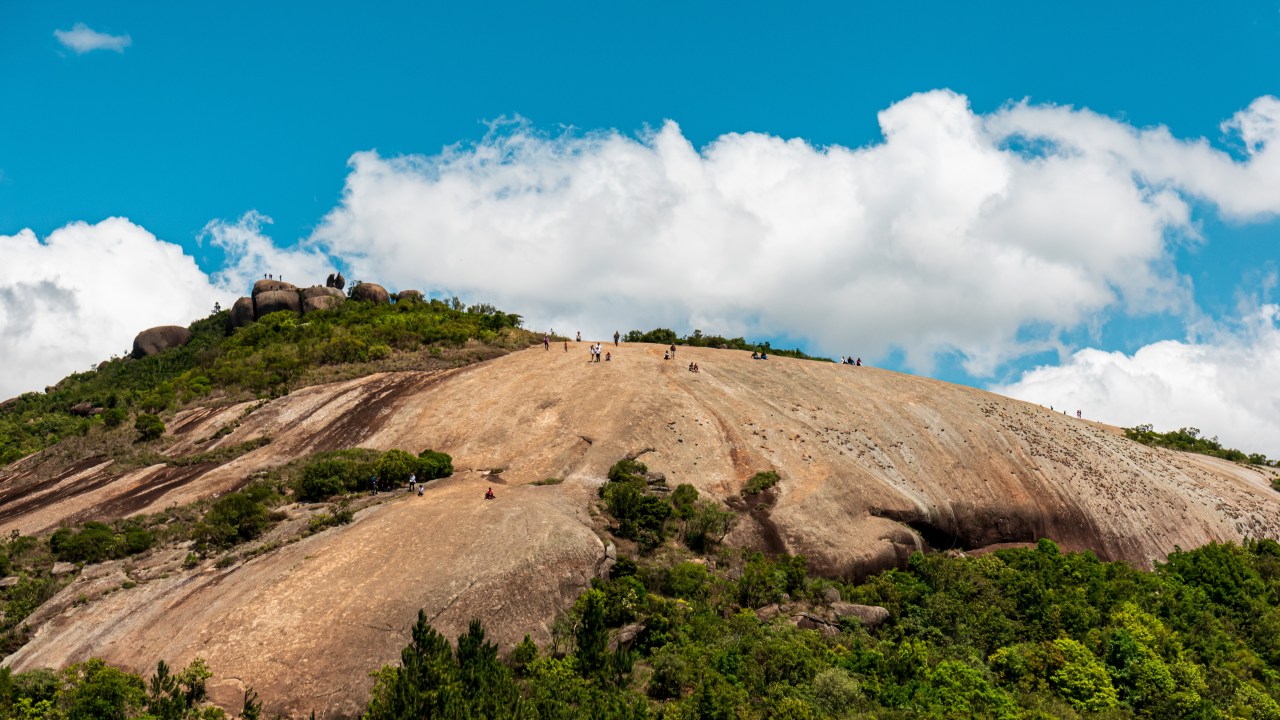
[755,355]
[488,494]
[608,357]
[666,356]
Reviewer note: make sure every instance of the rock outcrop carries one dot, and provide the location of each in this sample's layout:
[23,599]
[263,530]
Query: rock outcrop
[320,302]
[270,301]
[319,291]
[370,292]
[409,296]
[335,280]
[158,339]
[266,285]
[873,465]
[241,313]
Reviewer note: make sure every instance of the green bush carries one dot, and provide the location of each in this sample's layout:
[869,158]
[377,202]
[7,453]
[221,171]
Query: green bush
[115,416]
[149,427]
[627,469]
[333,473]
[96,542]
[760,482]
[234,518]
[433,465]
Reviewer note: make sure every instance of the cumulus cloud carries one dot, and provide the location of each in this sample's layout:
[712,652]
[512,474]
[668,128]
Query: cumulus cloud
[83,293]
[981,235]
[82,39]
[248,253]
[1223,383]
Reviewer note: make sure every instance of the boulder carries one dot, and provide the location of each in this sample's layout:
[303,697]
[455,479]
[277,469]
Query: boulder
[872,616]
[275,301]
[831,595]
[321,302]
[85,409]
[264,286]
[318,291]
[370,292]
[10,581]
[158,339]
[241,313]
[409,296]
[62,568]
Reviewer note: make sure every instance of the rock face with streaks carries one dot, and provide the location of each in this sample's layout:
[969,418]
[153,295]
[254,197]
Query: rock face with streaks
[873,465]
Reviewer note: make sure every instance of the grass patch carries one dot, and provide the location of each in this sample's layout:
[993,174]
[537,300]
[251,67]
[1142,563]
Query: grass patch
[548,481]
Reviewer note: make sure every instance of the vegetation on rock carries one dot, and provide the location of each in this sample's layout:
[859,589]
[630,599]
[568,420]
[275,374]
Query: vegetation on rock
[1189,439]
[269,357]
[663,336]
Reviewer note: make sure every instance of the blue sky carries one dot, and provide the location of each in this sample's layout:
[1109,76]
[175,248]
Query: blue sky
[212,111]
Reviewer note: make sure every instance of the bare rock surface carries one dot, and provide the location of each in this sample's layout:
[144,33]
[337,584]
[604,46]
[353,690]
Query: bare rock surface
[322,291]
[370,292]
[873,465]
[321,302]
[241,313]
[305,624]
[271,301]
[266,285]
[409,296]
[158,339]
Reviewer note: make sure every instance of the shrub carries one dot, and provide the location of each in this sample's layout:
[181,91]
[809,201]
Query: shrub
[433,465]
[149,427]
[235,518]
[115,416]
[333,473]
[760,482]
[96,542]
[627,469]
[395,466]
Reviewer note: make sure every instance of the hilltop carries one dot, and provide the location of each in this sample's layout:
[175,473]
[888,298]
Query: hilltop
[871,464]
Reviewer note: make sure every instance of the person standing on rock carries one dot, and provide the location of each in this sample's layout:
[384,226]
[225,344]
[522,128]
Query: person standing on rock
[673,352]
[566,346]
[615,338]
[413,482]
[579,338]
[546,342]
[373,483]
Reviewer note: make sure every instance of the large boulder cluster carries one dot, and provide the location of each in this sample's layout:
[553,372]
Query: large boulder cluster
[270,295]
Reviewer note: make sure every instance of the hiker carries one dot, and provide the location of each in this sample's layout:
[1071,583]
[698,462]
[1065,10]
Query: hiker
[420,489]
[566,346]
[615,338]
[1078,414]
[673,352]
[599,351]
[608,357]
[488,494]
[859,362]
[546,342]
[666,355]
[579,338]
[373,483]
[413,482]
[764,356]
[755,355]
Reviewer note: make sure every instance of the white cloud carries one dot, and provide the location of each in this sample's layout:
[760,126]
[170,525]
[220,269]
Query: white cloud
[82,39]
[249,254]
[1224,383]
[986,235]
[84,293]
